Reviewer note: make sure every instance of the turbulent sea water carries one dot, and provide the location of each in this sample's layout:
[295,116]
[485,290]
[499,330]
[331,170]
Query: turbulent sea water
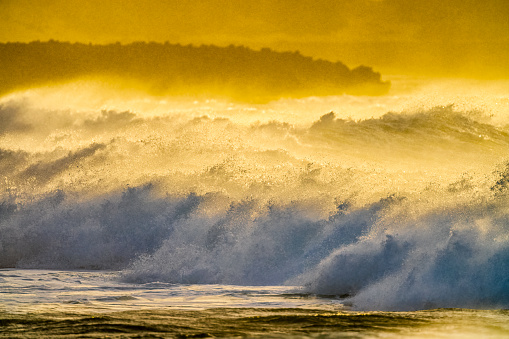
[124,214]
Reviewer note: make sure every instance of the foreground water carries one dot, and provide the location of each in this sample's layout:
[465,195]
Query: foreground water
[50,303]
[397,203]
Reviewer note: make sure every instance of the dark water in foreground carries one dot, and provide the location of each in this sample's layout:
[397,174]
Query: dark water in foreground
[259,322]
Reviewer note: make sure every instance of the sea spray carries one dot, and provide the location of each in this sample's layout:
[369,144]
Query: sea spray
[402,209]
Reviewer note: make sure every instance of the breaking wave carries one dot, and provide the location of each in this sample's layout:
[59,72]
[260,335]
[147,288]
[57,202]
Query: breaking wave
[404,209]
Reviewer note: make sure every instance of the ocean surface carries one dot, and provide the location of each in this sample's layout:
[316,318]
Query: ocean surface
[124,214]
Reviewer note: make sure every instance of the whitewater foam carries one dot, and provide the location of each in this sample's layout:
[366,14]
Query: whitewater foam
[402,209]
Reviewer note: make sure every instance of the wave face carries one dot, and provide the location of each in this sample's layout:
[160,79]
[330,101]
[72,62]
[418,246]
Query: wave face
[396,202]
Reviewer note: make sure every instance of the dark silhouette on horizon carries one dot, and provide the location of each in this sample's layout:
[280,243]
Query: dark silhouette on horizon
[234,71]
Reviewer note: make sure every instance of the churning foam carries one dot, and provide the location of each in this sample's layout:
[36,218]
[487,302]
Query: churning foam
[395,202]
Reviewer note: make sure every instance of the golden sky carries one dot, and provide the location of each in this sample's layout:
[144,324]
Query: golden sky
[380,33]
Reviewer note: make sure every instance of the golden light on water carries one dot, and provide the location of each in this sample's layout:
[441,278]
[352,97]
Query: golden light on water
[116,136]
